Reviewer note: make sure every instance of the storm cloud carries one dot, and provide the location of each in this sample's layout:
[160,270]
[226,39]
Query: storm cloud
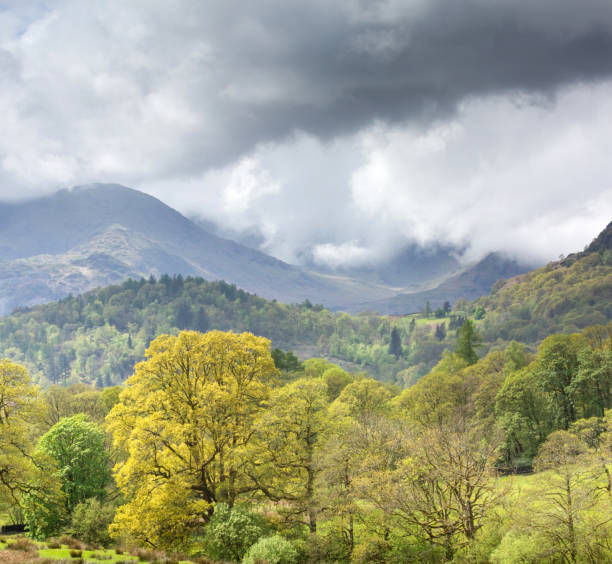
[336,132]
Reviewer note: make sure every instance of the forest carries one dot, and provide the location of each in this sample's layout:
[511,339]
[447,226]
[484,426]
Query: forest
[216,450]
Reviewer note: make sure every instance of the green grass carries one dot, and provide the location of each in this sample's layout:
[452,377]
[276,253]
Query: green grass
[88,555]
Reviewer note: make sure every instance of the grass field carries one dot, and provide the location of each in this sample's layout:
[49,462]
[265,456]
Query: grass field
[41,550]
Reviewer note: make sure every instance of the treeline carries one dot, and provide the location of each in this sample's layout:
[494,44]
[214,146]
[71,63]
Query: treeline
[98,337]
[216,453]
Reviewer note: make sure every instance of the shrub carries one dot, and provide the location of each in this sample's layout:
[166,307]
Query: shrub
[231,531]
[273,550]
[90,521]
[15,556]
[74,553]
[53,544]
[71,542]
[23,544]
[370,551]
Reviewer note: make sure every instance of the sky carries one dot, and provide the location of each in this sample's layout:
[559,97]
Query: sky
[327,132]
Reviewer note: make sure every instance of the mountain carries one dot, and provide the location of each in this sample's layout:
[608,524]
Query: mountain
[471,282]
[100,234]
[409,270]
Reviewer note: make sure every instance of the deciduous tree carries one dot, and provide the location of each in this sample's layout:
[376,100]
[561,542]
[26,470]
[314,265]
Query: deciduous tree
[184,420]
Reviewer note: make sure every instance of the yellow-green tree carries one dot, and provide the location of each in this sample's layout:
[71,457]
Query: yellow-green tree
[18,400]
[352,434]
[286,458]
[184,420]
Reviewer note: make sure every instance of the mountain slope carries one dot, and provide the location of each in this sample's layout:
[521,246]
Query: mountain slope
[469,283]
[561,297]
[96,235]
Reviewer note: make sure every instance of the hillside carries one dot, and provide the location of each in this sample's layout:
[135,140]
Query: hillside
[562,297]
[99,336]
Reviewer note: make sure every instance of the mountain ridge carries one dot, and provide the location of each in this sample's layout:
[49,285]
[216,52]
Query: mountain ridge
[99,234]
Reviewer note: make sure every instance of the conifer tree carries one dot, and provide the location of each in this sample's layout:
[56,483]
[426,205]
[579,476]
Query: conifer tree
[395,346]
[468,340]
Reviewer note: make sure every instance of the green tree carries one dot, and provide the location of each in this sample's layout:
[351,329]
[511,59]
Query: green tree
[556,367]
[273,550]
[468,340]
[90,521]
[231,531]
[77,446]
[336,380]
[395,346]
[571,491]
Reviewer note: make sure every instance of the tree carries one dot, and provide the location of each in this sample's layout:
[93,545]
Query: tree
[274,550]
[556,367]
[285,458]
[571,491]
[27,478]
[336,380]
[436,484]
[468,340]
[286,361]
[90,521]
[231,531]
[18,418]
[185,419]
[591,388]
[441,331]
[525,414]
[77,446]
[395,346]
[350,437]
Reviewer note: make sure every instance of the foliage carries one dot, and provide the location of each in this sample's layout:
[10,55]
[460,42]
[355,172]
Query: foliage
[231,531]
[76,445]
[286,446]
[468,340]
[18,407]
[273,550]
[90,521]
[98,337]
[185,419]
[561,297]
[395,346]
[44,505]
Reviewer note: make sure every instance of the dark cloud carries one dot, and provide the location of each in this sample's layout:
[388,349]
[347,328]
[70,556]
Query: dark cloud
[281,118]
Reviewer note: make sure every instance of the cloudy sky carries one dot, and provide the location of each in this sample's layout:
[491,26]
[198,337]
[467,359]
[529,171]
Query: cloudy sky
[337,131]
